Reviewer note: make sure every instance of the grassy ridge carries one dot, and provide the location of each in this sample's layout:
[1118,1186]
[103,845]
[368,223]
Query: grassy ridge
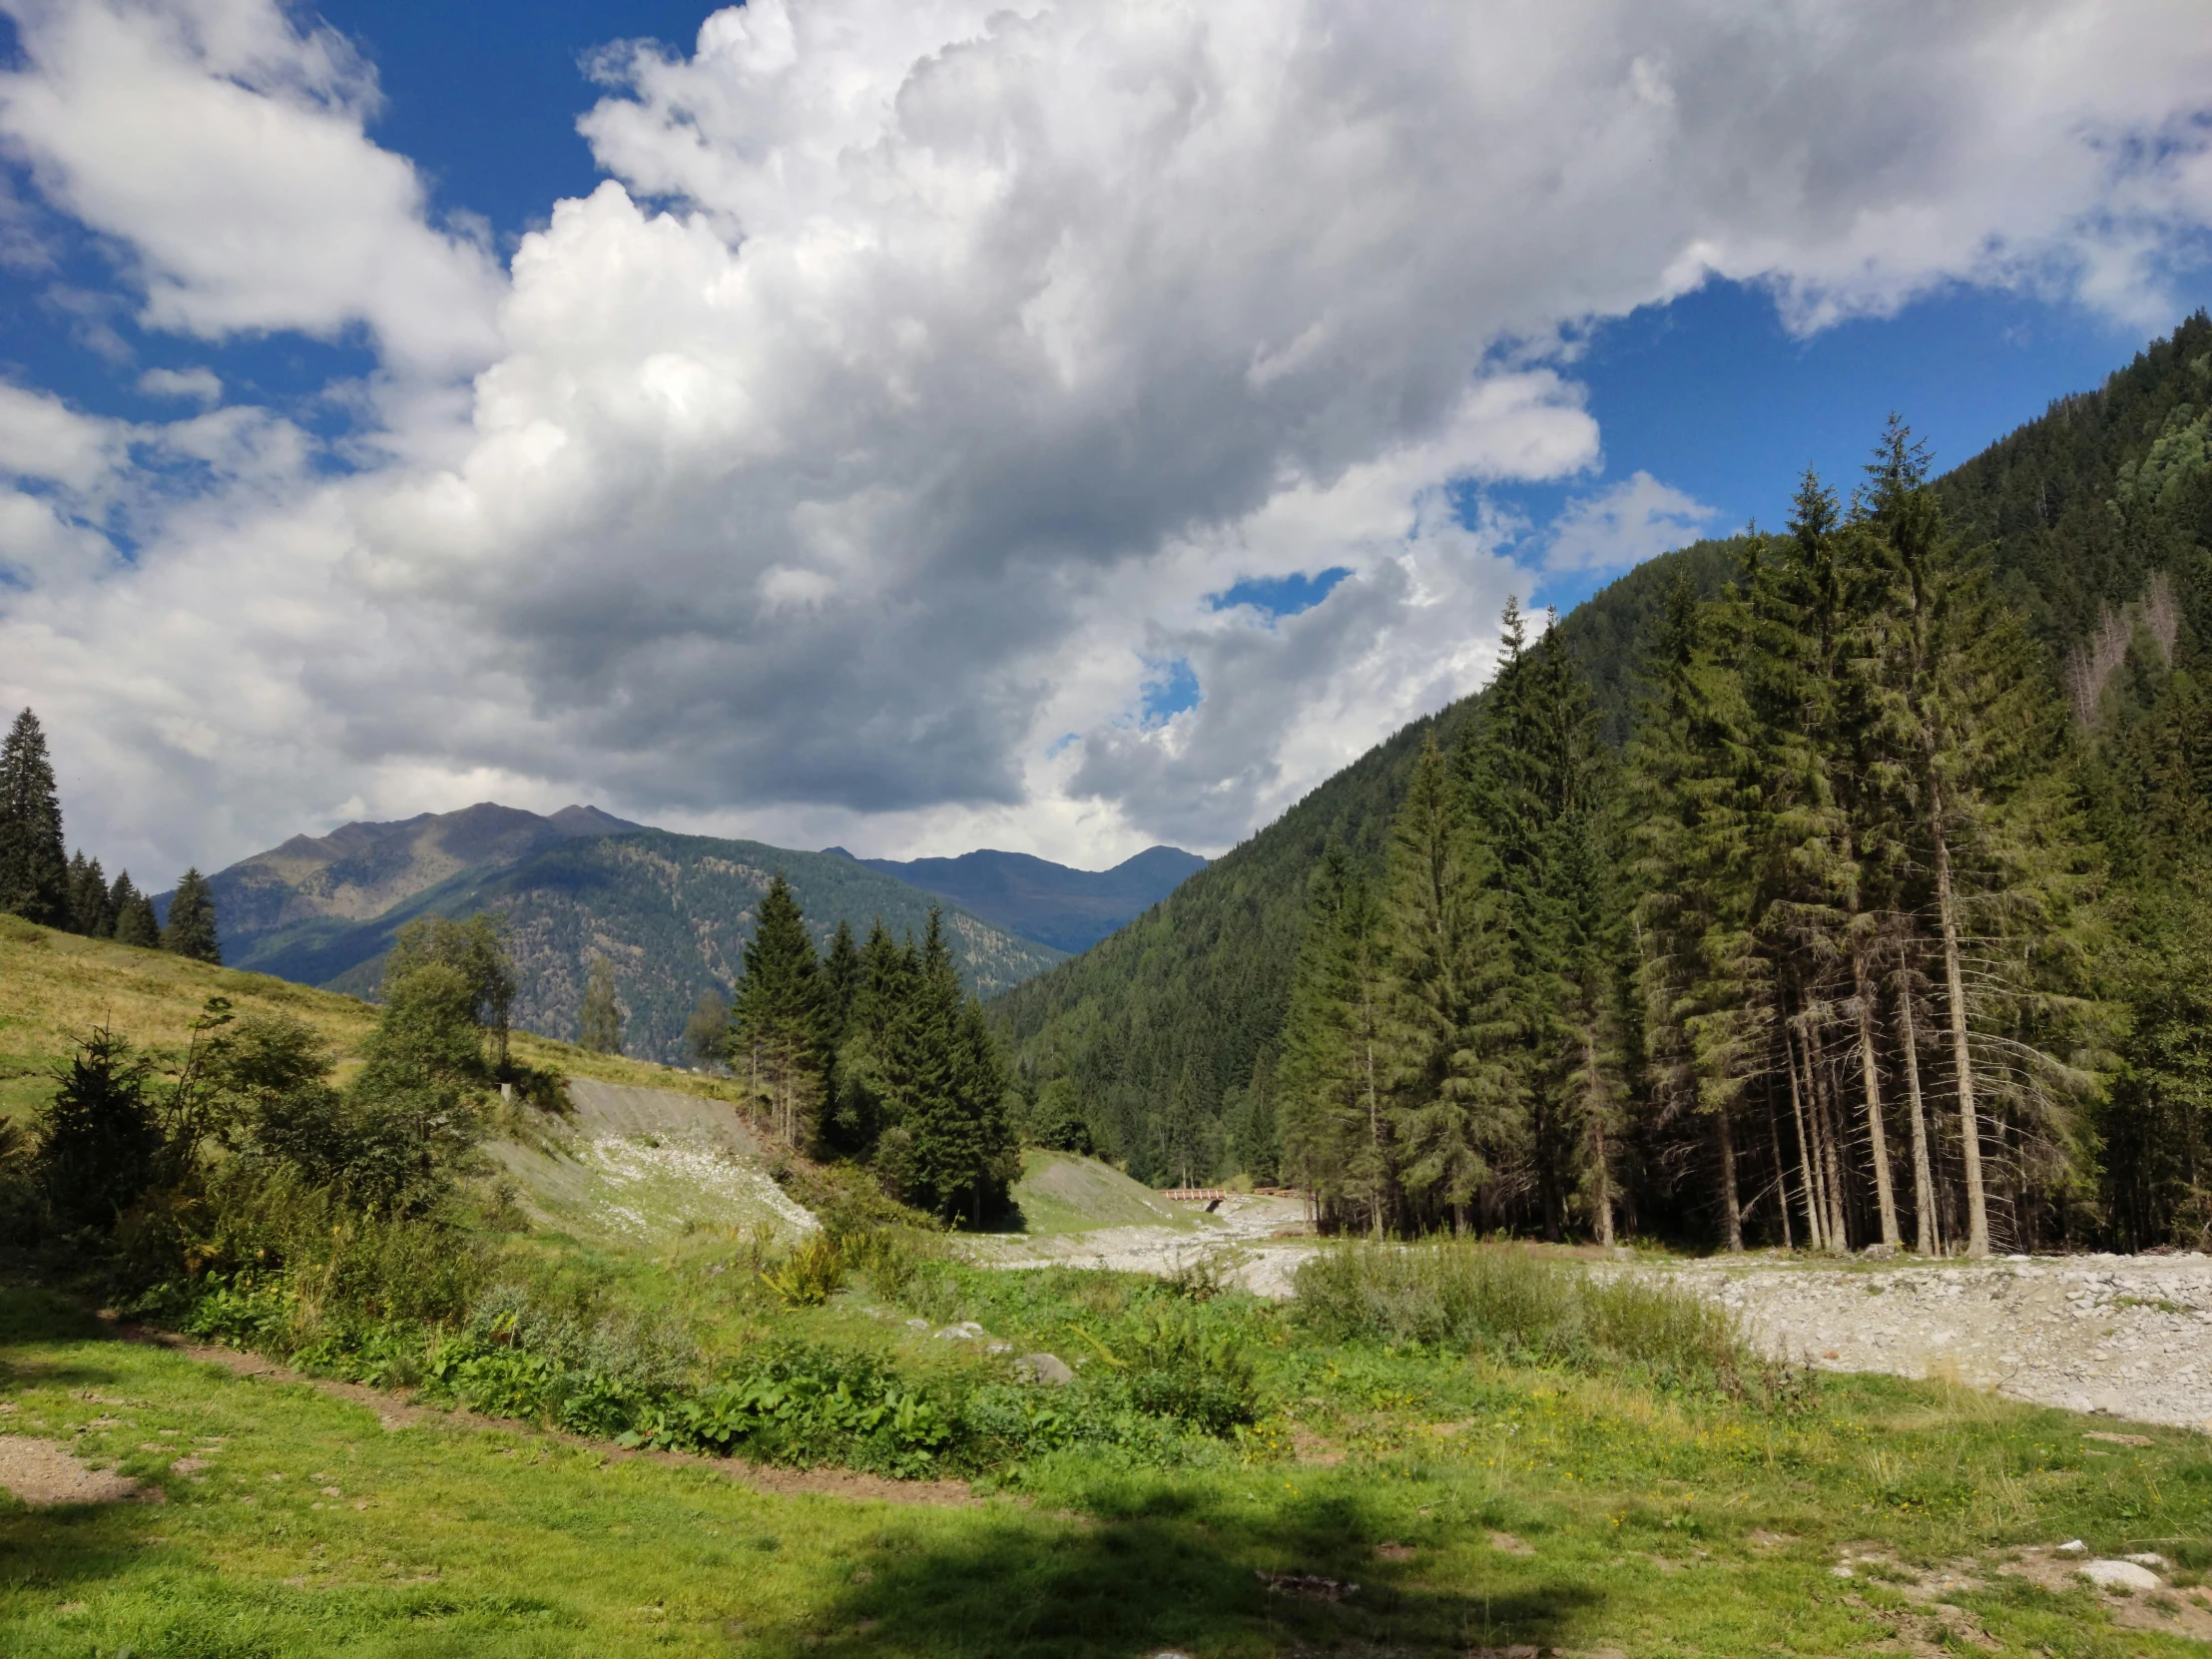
[54,986]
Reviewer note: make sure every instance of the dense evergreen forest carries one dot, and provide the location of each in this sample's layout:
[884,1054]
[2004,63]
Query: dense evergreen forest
[1843,886]
[871,1052]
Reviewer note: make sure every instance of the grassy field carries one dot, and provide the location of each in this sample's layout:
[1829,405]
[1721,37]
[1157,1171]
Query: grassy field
[1477,1506]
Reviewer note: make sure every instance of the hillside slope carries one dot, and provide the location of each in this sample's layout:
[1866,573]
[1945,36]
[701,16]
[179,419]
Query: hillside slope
[1069,909]
[671,913]
[56,986]
[1202,981]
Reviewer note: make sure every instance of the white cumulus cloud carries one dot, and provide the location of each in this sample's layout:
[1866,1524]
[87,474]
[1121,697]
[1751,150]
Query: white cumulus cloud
[844,465]
[1624,525]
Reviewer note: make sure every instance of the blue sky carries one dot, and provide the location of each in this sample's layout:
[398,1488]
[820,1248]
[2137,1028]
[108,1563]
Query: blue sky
[1134,470]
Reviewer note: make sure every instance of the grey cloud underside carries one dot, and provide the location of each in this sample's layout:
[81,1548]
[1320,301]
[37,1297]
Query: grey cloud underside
[976,348]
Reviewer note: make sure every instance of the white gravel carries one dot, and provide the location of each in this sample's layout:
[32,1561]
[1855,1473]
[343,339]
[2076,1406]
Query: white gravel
[2127,1335]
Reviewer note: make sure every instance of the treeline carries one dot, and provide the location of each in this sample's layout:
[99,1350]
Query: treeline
[1867,935]
[871,1052]
[42,884]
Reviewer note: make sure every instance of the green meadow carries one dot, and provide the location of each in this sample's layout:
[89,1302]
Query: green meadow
[1476,1501]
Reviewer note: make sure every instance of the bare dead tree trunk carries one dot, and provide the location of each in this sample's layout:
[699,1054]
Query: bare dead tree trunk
[1781,1167]
[1824,1105]
[1924,1178]
[1732,1209]
[1808,1160]
[1884,1197]
[1969,1126]
[1600,1157]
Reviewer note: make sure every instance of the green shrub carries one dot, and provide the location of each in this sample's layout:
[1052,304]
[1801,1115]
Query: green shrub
[1502,1301]
[811,1275]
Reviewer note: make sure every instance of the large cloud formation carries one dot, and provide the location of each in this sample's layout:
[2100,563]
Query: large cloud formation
[864,454]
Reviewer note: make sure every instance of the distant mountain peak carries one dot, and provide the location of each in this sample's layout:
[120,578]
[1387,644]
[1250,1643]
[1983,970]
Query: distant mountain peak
[1069,909]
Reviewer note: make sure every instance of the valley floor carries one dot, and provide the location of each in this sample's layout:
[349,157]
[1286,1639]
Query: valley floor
[1414,1507]
[2126,1336]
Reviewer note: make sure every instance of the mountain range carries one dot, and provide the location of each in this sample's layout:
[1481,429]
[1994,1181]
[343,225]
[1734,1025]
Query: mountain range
[1069,909]
[671,913]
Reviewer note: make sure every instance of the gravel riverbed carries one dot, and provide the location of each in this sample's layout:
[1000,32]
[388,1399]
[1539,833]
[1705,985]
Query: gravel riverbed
[2126,1336]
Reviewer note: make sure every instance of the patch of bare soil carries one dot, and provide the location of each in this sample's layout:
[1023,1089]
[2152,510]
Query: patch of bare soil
[394,1412]
[2143,1606]
[42,1472]
[2143,1599]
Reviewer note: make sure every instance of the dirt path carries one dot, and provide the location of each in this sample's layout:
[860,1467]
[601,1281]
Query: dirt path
[2129,1335]
[1251,1236]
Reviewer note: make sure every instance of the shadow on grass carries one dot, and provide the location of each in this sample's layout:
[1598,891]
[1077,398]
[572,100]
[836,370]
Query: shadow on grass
[1159,1568]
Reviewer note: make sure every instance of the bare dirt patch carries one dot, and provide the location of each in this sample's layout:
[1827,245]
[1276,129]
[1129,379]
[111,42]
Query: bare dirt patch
[43,1472]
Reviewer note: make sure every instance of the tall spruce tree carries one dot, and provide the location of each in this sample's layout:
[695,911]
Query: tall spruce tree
[134,915]
[955,1152]
[1451,1097]
[189,928]
[1337,1140]
[34,867]
[840,983]
[1699,835]
[90,911]
[779,1021]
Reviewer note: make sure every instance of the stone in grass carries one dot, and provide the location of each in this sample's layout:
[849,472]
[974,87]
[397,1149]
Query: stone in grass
[2120,1575]
[1044,1367]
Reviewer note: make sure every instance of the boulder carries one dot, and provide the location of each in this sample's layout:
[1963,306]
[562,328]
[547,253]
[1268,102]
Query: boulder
[1044,1367]
[2120,1575]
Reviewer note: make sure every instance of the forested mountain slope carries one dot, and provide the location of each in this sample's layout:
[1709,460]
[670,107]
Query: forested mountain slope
[2082,508]
[1202,982]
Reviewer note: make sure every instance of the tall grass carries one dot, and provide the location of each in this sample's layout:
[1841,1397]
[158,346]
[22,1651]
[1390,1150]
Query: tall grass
[1503,1302]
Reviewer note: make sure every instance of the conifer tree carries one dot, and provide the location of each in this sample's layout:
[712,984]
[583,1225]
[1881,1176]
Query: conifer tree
[840,983]
[872,1061]
[34,868]
[777,1017]
[1336,1138]
[134,915]
[1450,1094]
[98,1143]
[956,1151]
[1699,833]
[599,1021]
[1183,1132]
[1972,733]
[190,930]
[88,908]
